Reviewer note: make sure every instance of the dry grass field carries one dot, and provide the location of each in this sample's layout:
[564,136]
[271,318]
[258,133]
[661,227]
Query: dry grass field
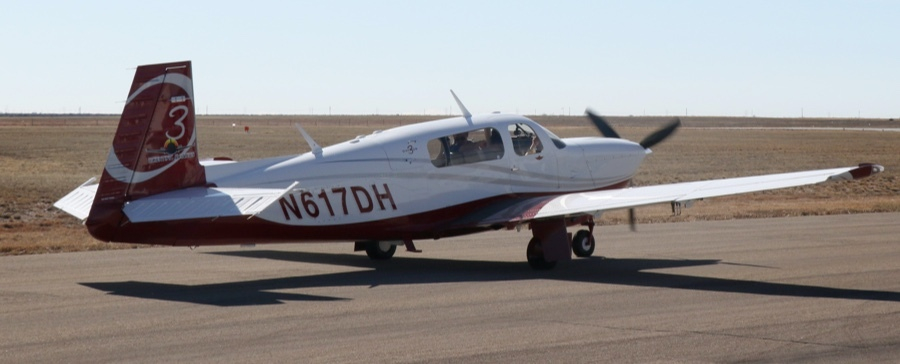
[42,158]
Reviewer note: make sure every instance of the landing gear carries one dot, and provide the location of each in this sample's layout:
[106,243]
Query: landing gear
[380,250]
[551,242]
[583,244]
[535,255]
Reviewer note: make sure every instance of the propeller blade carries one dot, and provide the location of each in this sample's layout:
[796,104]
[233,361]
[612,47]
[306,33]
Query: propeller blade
[632,220]
[602,125]
[660,134]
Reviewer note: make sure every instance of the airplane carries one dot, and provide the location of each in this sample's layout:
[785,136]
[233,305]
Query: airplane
[429,180]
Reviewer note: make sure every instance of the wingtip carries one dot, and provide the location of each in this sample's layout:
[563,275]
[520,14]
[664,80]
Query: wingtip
[865,170]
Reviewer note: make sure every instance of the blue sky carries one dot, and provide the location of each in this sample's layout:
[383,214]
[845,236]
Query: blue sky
[729,58]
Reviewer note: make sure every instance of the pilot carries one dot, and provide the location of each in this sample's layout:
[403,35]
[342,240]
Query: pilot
[536,146]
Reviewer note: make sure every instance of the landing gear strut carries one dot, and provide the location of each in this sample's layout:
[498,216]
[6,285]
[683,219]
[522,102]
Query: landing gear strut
[551,243]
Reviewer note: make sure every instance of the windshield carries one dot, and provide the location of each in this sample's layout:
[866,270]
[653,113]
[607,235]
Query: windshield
[557,141]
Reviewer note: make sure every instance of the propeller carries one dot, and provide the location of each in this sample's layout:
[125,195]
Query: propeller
[661,134]
[602,125]
[653,139]
[649,141]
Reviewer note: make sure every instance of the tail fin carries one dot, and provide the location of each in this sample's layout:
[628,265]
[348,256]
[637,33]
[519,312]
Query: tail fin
[155,147]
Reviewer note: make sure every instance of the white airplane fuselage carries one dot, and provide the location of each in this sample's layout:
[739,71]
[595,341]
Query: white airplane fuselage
[390,175]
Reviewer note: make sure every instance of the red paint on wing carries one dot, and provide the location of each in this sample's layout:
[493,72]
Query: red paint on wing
[865,170]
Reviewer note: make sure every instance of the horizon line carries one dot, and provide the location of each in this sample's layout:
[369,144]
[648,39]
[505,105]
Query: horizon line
[39,114]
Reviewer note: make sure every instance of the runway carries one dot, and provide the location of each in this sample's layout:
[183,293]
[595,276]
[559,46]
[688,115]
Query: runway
[806,289]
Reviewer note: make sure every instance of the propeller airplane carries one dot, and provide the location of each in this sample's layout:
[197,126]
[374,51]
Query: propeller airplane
[429,180]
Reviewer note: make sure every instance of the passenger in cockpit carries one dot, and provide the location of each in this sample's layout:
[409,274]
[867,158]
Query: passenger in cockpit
[459,141]
[493,145]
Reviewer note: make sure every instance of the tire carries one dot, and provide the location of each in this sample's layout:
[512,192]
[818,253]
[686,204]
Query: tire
[535,256]
[380,250]
[583,244]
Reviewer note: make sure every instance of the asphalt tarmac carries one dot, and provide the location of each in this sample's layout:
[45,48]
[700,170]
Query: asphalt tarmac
[807,289]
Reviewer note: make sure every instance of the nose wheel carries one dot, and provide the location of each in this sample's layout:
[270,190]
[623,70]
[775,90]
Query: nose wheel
[583,244]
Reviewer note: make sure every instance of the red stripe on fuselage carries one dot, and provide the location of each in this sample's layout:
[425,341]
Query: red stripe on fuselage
[454,220]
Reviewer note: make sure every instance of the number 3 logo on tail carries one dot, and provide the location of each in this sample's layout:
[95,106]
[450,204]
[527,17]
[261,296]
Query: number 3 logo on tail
[180,122]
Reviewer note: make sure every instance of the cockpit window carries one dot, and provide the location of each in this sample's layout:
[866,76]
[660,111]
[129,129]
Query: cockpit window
[466,147]
[525,140]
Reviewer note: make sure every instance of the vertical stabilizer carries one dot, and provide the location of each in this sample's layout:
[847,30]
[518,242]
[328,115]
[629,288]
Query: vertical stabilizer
[155,147]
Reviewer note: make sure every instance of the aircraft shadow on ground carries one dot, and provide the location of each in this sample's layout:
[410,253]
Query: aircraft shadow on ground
[403,270]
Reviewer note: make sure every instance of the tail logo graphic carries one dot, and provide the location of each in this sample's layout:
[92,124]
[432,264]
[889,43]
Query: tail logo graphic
[168,148]
[171,150]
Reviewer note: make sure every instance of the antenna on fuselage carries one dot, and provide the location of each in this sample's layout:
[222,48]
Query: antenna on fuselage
[313,146]
[465,112]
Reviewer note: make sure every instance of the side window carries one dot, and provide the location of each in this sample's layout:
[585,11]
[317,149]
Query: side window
[437,149]
[524,139]
[492,147]
[466,147]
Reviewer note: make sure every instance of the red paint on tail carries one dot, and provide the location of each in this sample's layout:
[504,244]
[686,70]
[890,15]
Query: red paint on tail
[155,147]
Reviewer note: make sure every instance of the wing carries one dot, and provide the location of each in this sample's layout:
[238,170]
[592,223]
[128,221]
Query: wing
[573,204]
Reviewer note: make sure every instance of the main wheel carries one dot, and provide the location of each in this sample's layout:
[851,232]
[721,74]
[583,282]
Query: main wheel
[535,255]
[583,244]
[380,250]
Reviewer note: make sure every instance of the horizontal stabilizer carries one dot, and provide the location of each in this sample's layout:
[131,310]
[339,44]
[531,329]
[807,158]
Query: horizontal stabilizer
[202,202]
[78,202]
